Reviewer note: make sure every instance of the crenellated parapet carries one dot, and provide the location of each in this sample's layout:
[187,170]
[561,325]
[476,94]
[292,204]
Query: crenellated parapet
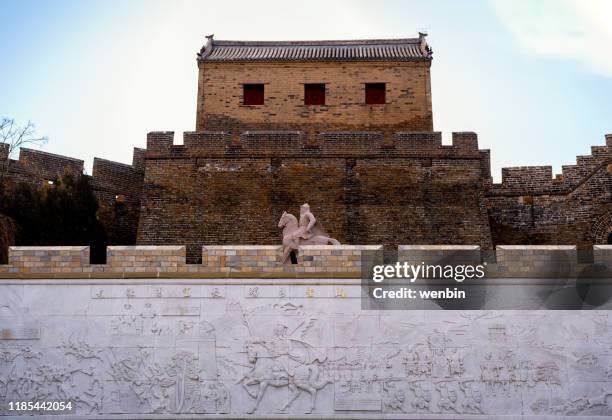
[313,261]
[36,166]
[294,143]
[117,186]
[117,177]
[539,180]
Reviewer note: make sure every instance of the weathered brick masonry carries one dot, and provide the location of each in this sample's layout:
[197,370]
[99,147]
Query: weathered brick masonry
[575,207]
[212,190]
[117,186]
[343,66]
[372,173]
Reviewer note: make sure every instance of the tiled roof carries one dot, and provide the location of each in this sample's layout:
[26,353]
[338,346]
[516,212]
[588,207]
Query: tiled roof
[407,49]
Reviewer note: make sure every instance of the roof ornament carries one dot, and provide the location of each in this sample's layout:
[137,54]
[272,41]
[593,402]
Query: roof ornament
[425,49]
[207,48]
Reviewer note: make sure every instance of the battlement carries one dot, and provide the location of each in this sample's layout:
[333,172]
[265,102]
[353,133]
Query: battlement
[40,165]
[118,177]
[538,180]
[117,186]
[47,165]
[286,143]
[313,261]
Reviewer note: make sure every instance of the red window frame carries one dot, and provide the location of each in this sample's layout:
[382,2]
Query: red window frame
[375,93]
[253,94]
[314,94]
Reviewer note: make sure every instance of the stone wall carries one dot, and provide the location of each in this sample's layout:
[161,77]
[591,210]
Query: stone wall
[56,259]
[172,348]
[365,189]
[407,107]
[145,259]
[573,208]
[170,261]
[320,261]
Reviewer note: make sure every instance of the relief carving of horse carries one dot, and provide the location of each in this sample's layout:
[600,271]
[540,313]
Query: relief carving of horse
[269,370]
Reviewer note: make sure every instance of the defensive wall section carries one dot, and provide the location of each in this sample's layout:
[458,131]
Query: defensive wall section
[530,206]
[313,261]
[364,187]
[117,186]
[196,341]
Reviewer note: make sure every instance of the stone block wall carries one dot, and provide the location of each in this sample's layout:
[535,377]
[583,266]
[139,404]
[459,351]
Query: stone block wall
[57,259]
[145,259]
[170,261]
[439,254]
[537,260]
[265,261]
[242,258]
[602,254]
[337,259]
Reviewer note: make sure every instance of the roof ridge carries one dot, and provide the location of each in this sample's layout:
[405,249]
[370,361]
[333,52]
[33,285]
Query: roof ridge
[391,49]
[322,42]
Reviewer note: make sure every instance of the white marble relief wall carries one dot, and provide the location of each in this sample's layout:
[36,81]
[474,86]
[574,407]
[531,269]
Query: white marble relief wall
[290,350]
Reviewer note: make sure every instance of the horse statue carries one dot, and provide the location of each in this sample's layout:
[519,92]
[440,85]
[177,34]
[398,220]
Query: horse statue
[308,231]
[269,370]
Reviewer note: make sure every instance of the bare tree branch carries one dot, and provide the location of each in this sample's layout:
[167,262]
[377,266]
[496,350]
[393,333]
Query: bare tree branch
[15,137]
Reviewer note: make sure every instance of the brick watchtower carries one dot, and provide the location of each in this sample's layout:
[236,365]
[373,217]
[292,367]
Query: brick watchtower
[356,85]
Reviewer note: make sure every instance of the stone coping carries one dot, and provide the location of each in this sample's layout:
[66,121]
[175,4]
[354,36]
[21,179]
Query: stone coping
[242,247]
[145,247]
[536,247]
[439,247]
[48,248]
[343,247]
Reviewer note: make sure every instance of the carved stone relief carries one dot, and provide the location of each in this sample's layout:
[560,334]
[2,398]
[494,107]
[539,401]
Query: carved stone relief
[258,350]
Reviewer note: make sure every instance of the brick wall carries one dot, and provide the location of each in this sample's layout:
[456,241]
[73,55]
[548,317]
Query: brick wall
[362,187]
[529,206]
[118,188]
[35,167]
[408,97]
